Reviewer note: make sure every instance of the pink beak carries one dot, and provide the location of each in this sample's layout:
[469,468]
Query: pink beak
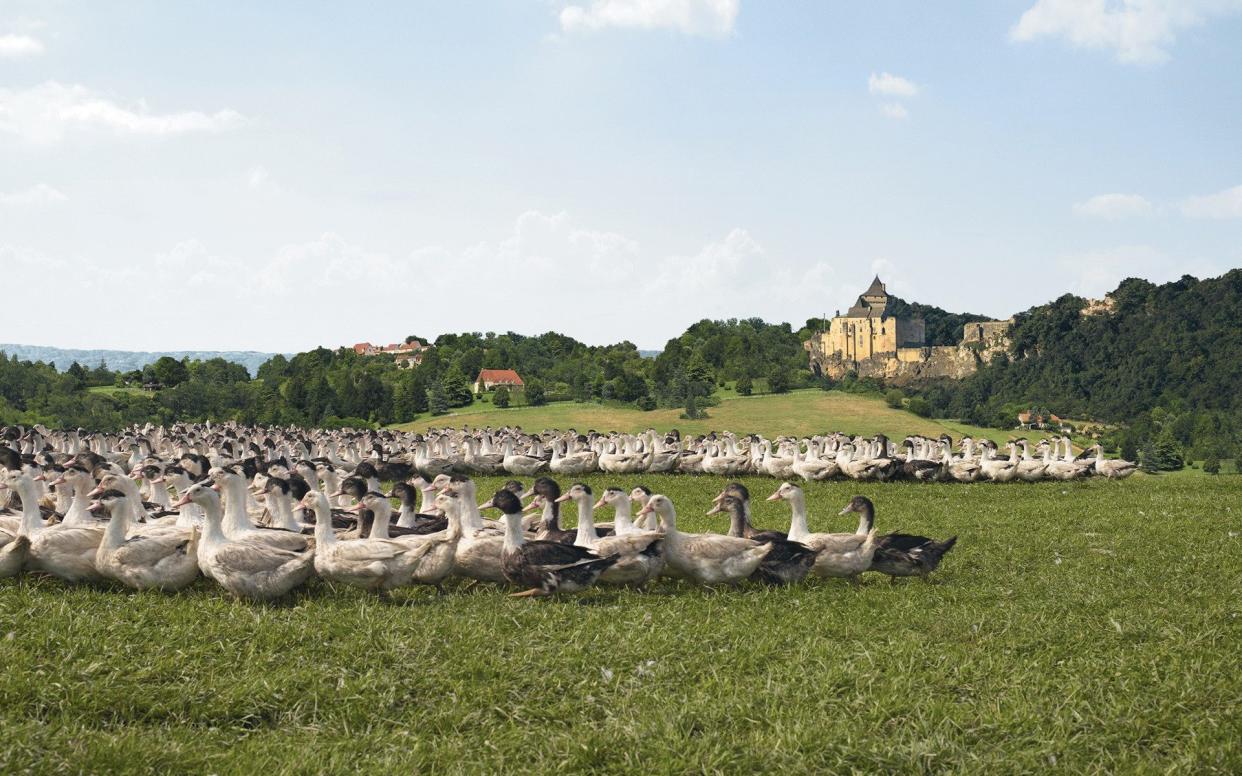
[99,489]
[563,499]
[182,502]
[598,504]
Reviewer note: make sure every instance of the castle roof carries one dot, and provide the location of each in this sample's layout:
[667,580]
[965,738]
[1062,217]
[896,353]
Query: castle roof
[871,303]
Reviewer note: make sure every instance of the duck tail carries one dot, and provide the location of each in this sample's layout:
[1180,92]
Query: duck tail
[932,553]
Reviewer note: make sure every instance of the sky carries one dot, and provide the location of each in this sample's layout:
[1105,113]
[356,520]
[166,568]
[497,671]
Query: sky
[280,175]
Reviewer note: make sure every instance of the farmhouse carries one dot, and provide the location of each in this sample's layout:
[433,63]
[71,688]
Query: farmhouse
[871,341]
[494,378]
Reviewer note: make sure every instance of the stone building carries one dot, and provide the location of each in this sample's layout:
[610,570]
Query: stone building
[871,342]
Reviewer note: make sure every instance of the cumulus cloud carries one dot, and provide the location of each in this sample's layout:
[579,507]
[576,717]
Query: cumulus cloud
[692,17]
[45,114]
[1137,31]
[39,194]
[13,46]
[1113,206]
[1223,204]
[890,85]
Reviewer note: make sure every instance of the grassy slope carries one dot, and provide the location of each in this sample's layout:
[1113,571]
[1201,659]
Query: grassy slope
[799,412]
[1093,626]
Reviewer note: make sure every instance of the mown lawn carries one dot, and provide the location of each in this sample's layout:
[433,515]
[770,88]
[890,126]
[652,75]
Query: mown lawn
[802,412]
[1091,627]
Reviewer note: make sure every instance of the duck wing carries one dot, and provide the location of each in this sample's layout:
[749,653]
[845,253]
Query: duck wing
[149,549]
[253,558]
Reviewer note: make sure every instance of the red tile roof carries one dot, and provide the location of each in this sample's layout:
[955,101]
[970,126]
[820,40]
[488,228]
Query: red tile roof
[362,347]
[499,376]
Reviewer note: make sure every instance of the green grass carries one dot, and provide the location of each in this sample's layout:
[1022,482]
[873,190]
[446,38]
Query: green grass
[1089,627]
[802,412]
[114,390]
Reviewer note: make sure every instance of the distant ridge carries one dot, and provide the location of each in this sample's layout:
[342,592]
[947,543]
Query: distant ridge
[128,360]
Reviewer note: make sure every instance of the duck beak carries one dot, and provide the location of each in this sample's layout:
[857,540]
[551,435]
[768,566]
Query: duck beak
[488,505]
[99,489]
[94,506]
[563,499]
[355,509]
[776,497]
[182,502]
[598,504]
[646,510]
[845,510]
[57,482]
[528,493]
[337,493]
[532,506]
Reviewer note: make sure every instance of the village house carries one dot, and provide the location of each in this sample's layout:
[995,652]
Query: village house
[490,379]
[406,354]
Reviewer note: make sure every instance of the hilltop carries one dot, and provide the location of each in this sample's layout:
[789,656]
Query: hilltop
[128,360]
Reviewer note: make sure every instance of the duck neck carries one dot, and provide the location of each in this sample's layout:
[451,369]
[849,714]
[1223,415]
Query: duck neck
[586,523]
[324,535]
[379,522]
[866,519]
[798,528]
[32,518]
[513,532]
[213,523]
[408,515]
[235,518]
[114,534]
[77,508]
[551,515]
[282,511]
[623,520]
[737,521]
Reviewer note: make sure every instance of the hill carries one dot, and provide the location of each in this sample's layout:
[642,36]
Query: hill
[128,360]
[802,412]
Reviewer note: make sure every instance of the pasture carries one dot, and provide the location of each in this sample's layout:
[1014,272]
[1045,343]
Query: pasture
[802,412]
[1083,627]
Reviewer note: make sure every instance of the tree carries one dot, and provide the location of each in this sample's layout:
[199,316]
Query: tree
[501,397]
[1211,465]
[437,402]
[170,372]
[744,386]
[535,396]
[779,380]
[456,387]
[894,398]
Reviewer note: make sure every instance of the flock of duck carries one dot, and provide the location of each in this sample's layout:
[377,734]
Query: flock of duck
[262,511]
[812,459]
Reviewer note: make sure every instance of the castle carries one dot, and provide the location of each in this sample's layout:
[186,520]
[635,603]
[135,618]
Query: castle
[872,342]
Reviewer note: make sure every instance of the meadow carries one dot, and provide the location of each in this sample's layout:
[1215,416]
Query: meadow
[802,412]
[1081,627]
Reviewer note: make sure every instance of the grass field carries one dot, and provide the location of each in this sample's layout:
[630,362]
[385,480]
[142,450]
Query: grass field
[1090,627]
[802,412]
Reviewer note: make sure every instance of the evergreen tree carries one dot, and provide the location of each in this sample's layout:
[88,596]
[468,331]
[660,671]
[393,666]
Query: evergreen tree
[437,402]
[456,387]
[501,397]
[744,386]
[535,395]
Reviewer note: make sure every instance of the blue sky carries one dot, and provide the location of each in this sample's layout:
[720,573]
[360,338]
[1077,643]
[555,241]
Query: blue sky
[275,176]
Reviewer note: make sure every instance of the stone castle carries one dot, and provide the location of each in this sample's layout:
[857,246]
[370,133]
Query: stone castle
[871,342]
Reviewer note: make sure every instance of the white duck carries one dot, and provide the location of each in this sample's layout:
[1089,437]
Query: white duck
[246,567]
[639,557]
[709,559]
[166,560]
[64,551]
[840,554]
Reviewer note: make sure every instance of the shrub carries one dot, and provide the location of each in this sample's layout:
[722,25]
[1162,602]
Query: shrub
[1211,465]
[535,395]
[894,398]
[779,381]
[744,386]
[501,397]
[646,403]
[919,406]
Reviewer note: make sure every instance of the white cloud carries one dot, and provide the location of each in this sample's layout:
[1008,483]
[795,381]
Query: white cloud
[1138,31]
[1113,206]
[1223,204]
[39,194]
[13,46]
[44,114]
[692,17]
[257,177]
[891,85]
[895,110]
